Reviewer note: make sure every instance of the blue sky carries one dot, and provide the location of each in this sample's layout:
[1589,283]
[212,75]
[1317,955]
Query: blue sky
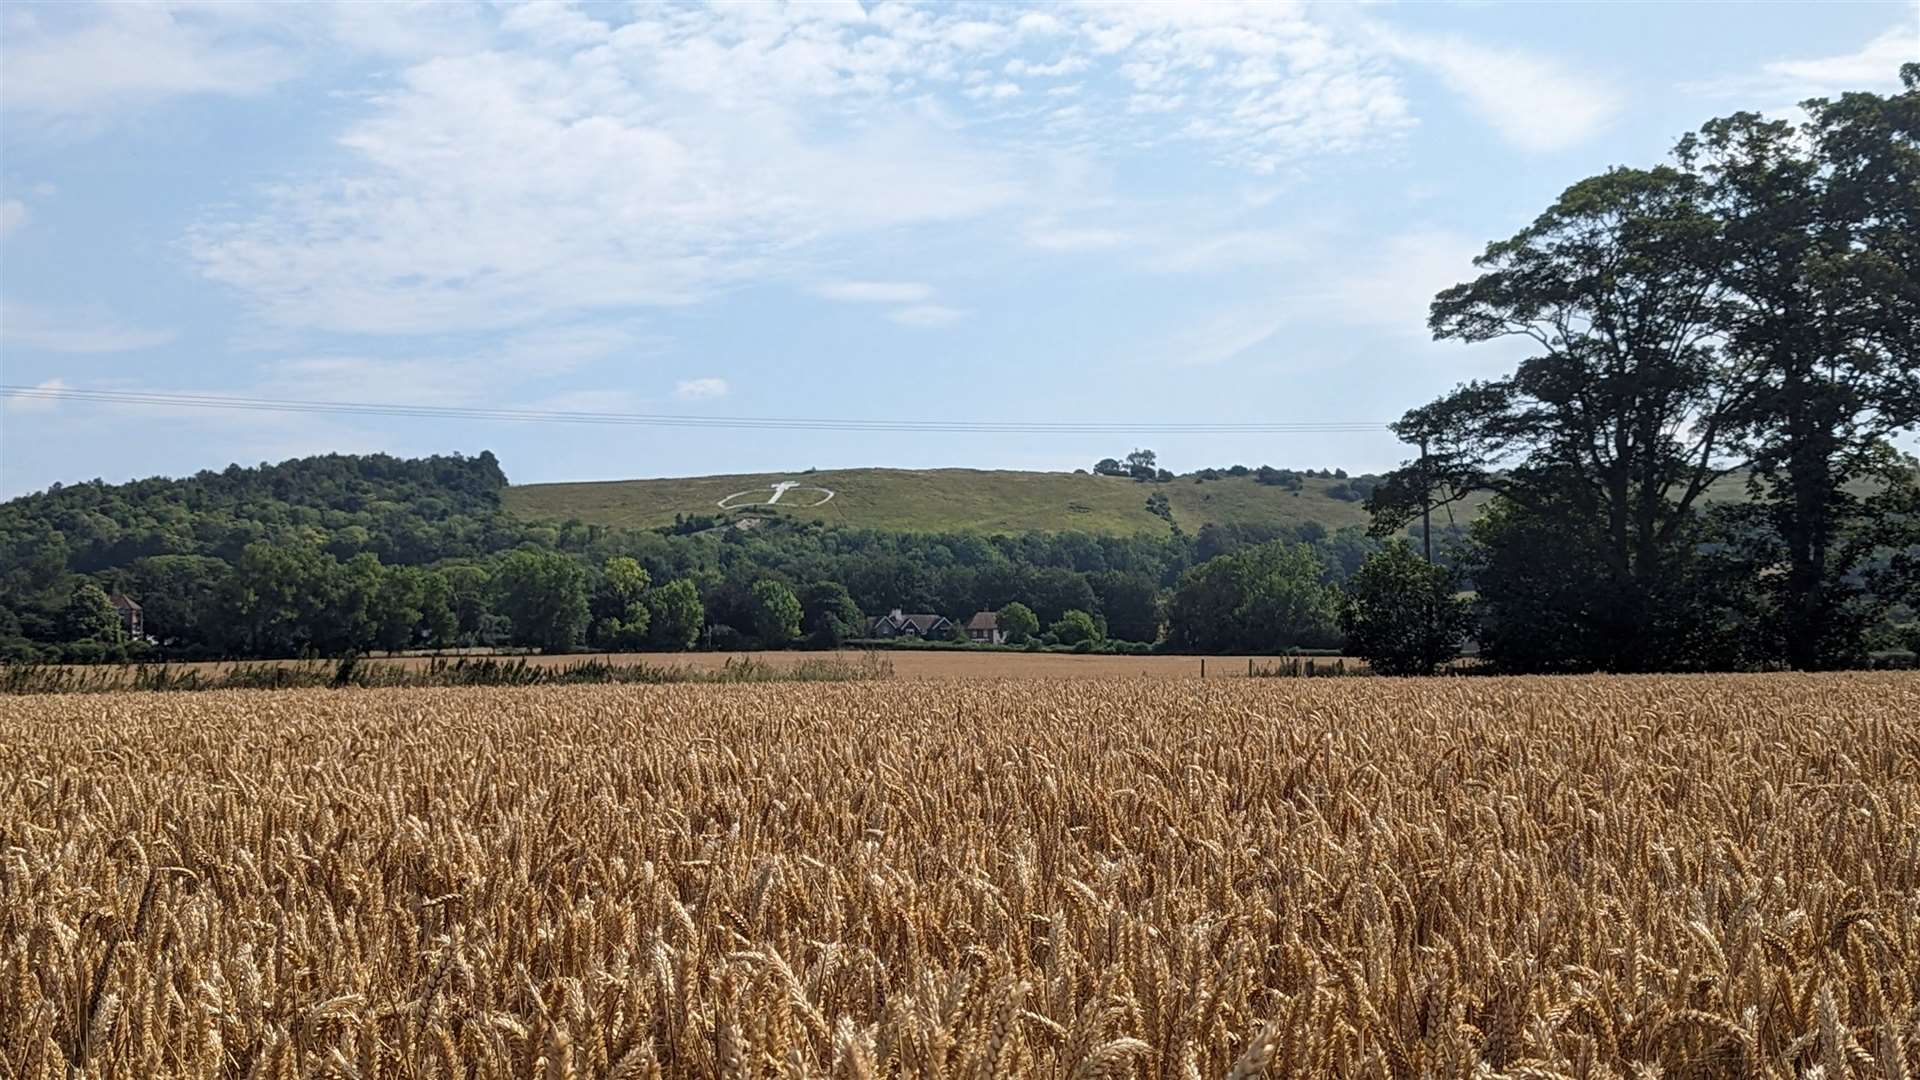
[1125,212]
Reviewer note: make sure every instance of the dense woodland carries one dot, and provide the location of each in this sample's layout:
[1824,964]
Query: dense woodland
[335,554]
[1747,309]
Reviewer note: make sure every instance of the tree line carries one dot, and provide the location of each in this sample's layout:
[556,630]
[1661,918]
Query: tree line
[1743,315]
[339,554]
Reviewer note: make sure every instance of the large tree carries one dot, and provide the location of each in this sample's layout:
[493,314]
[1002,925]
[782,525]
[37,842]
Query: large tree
[828,615]
[1262,599]
[1402,614]
[545,594]
[1616,425]
[1820,268]
[89,615]
[1130,602]
[675,615]
[776,614]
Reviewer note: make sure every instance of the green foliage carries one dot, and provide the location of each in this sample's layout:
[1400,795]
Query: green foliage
[90,616]
[626,580]
[1820,254]
[438,623]
[829,616]
[1074,628]
[1755,306]
[405,511]
[545,594]
[1130,604]
[178,595]
[620,615]
[1261,599]
[1401,615]
[395,610]
[676,615]
[1018,623]
[776,614]
[469,591]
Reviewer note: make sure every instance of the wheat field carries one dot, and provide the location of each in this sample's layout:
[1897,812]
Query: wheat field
[1633,877]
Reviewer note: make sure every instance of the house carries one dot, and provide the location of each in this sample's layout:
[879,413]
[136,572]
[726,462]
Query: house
[984,629]
[895,625]
[131,619]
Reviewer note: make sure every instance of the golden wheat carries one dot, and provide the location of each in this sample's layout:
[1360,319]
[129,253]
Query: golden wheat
[1676,877]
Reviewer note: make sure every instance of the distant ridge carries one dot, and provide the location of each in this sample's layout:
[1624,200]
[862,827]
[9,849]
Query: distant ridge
[983,501]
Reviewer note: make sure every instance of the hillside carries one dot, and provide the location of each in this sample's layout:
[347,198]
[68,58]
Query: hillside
[940,500]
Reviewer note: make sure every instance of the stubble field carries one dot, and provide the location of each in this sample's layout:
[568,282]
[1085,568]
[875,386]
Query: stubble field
[1682,877]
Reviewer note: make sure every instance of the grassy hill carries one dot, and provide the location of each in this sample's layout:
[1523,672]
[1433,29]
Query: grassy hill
[930,500]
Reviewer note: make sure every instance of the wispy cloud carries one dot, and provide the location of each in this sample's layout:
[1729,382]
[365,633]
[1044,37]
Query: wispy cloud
[875,292]
[1393,287]
[16,403]
[653,163]
[1058,238]
[927,316]
[92,331]
[1218,337]
[13,214]
[86,59]
[1535,102]
[1784,82]
[704,389]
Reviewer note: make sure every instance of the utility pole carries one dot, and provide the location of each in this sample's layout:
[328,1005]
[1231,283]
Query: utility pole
[1426,503]
[1426,540]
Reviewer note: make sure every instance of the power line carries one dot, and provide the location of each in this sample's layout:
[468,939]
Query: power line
[164,399]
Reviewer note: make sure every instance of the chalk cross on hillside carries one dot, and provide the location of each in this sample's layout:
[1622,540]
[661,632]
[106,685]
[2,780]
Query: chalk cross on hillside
[745,498]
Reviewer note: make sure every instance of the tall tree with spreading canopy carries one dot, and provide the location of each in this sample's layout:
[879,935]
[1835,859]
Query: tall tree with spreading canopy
[1820,270]
[1618,423]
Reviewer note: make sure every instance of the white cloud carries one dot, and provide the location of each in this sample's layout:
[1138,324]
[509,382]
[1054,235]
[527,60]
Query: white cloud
[1534,103]
[65,61]
[1039,24]
[1228,250]
[514,167]
[1878,62]
[89,331]
[401,381]
[1066,65]
[498,189]
[19,403]
[590,401]
[875,292]
[926,316]
[1057,238]
[700,389]
[1000,91]
[1219,337]
[13,214]
[508,368]
[1394,286]
[1875,65]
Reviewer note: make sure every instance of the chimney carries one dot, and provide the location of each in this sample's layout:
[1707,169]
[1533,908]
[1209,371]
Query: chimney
[896,613]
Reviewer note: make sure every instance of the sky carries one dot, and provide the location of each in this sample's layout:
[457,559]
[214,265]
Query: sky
[1089,213]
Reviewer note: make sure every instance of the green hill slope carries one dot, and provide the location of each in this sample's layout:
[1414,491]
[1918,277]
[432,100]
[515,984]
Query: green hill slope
[939,500]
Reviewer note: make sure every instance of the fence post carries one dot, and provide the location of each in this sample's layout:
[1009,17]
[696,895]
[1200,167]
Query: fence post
[1203,667]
